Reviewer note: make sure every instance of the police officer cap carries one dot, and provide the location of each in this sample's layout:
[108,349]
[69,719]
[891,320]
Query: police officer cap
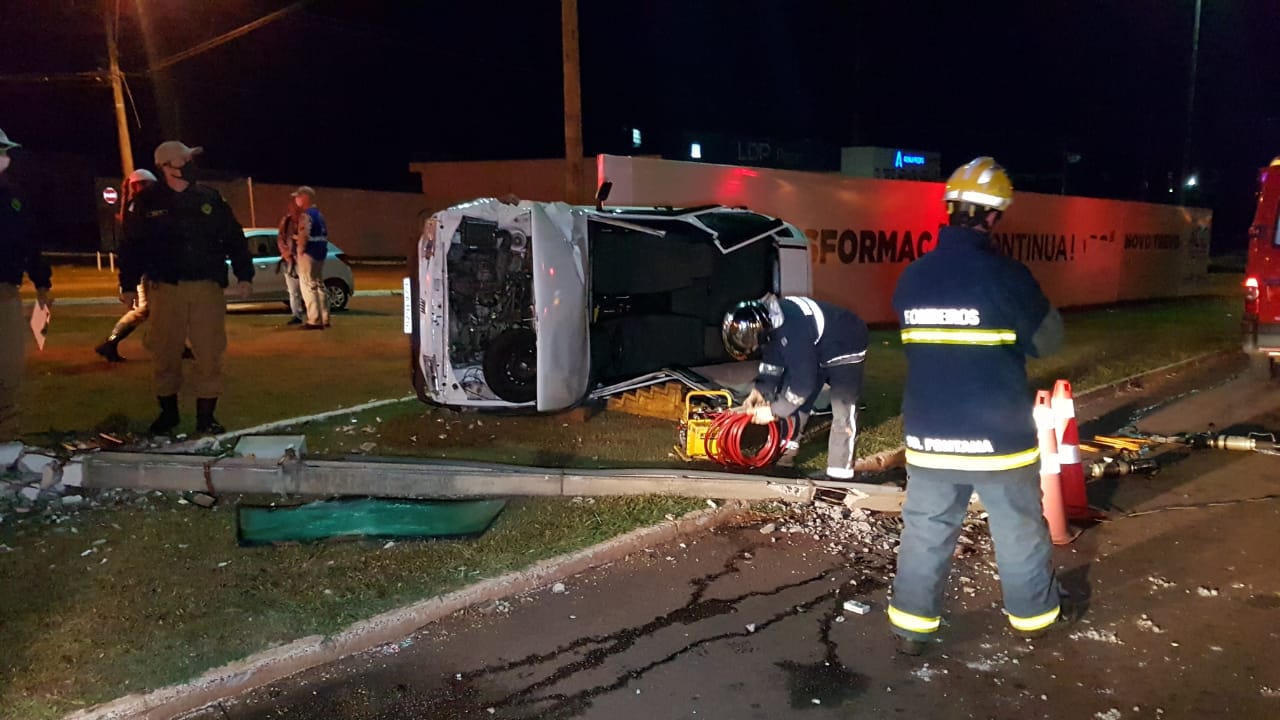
[172,152]
[141,175]
[6,143]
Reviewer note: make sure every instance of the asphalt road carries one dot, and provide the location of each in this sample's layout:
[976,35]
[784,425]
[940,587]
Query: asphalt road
[1183,618]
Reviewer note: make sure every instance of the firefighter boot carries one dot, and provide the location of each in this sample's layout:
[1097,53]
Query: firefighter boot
[168,419]
[206,423]
[1070,610]
[110,349]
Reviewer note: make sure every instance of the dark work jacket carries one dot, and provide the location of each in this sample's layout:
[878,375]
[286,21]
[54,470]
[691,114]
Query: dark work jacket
[172,237]
[19,251]
[969,316]
[807,336]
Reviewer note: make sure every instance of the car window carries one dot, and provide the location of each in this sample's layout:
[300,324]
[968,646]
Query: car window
[736,228]
[1275,239]
[263,246]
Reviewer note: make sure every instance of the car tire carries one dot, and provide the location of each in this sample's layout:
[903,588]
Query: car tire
[338,294]
[511,365]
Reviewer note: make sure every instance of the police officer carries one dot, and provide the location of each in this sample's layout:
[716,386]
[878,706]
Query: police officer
[19,253]
[179,235]
[806,344]
[970,317]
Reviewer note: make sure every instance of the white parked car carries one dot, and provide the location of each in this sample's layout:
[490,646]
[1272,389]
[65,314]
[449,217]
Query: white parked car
[542,305]
[268,272]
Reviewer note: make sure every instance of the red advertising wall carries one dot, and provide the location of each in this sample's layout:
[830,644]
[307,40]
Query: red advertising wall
[863,232]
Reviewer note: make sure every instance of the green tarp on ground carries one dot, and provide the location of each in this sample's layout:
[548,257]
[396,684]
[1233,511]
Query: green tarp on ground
[365,517]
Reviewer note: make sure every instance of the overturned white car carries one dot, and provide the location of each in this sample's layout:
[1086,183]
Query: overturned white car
[542,305]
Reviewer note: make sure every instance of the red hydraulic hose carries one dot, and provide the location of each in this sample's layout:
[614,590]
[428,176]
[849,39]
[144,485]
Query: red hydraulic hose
[724,441]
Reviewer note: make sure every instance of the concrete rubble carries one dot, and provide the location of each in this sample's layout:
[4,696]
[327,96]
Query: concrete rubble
[9,453]
[1103,636]
[844,531]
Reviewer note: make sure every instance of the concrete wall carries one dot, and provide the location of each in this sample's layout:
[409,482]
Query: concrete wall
[863,232]
[364,223]
[449,183]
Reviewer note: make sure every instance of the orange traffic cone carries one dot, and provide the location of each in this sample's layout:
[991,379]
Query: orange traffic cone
[1074,495]
[1050,481]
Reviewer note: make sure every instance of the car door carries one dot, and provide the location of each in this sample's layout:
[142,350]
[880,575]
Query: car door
[268,271]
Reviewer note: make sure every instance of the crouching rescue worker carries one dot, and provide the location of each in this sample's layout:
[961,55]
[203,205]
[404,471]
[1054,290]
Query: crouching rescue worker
[179,235]
[970,317]
[804,344]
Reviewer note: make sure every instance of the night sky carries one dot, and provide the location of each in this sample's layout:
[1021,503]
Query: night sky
[348,92]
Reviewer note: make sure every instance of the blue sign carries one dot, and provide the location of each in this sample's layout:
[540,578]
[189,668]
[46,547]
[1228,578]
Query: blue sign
[902,160]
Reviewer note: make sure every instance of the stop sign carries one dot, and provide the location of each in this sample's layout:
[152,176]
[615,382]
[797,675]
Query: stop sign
[110,195]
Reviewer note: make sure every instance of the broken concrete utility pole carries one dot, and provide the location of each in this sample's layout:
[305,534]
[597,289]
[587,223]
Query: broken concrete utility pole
[437,480]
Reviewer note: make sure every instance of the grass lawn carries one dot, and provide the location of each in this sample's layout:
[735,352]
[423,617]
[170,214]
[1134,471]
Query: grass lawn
[272,371]
[166,594]
[76,631]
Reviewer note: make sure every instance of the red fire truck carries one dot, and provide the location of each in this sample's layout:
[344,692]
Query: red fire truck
[1262,273]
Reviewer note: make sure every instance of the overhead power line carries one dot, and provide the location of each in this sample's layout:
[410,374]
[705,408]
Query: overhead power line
[94,76]
[227,37]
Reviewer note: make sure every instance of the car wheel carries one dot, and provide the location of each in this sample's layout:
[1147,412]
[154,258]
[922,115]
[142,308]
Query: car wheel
[338,293]
[511,365]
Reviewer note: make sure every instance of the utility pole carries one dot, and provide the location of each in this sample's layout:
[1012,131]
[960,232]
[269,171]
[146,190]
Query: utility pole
[117,92]
[572,102]
[1191,109]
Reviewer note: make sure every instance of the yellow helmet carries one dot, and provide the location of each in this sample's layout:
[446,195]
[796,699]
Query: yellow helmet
[982,182]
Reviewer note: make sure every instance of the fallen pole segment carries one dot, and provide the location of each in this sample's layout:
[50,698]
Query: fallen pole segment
[439,480]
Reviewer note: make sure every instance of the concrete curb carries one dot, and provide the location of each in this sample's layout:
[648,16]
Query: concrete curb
[278,663]
[1162,369]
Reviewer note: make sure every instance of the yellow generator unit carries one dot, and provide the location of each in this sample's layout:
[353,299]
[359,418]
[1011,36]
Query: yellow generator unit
[697,422]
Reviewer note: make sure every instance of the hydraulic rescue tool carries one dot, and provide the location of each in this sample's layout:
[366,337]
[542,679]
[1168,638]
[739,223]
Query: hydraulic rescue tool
[714,430]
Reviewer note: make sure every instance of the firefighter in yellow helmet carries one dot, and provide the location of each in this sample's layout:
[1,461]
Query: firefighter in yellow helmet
[970,317]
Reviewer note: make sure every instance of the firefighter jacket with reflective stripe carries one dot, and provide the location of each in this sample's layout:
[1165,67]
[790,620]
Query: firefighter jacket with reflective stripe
[174,237]
[807,336]
[19,249]
[968,317]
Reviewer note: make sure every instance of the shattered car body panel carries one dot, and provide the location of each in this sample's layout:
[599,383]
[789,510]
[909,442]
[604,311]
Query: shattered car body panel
[533,304]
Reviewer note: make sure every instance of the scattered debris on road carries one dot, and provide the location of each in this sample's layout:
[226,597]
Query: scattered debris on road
[856,607]
[1206,591]
[1105,636]
[1146,623]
